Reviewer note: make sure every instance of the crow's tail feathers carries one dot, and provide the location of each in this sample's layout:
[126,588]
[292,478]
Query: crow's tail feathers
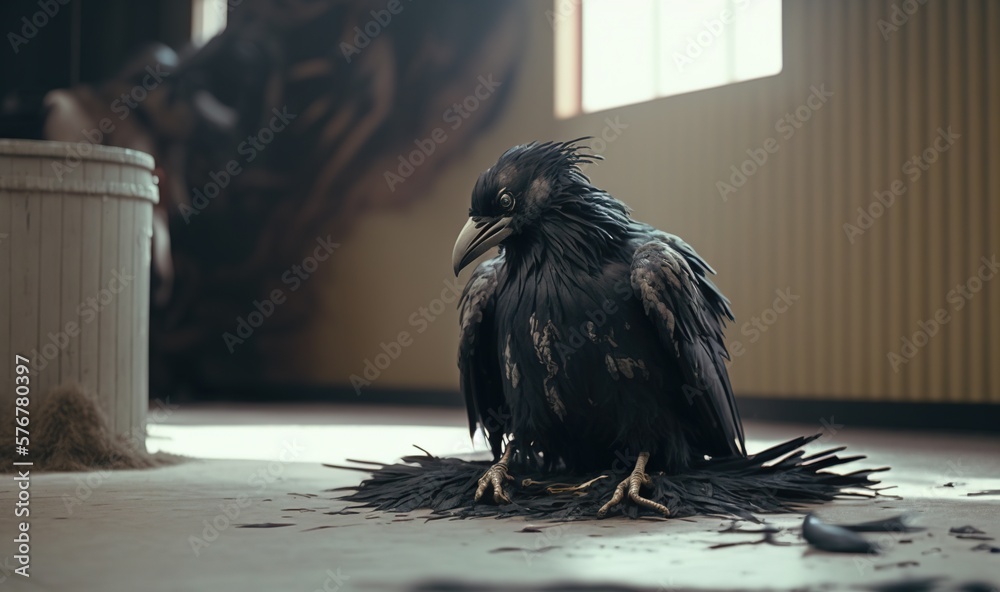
[780,479]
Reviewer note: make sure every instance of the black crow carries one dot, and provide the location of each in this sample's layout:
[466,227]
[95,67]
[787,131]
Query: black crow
[591,337]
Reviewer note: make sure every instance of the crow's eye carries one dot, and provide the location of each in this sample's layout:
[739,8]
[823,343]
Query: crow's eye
[506,201]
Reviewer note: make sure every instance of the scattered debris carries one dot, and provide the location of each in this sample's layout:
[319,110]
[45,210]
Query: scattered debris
[974,537]
[985,547]
[558,586]
[909,585]
[978,587]
[836,539]
[901,523]
[965,530]
[265,525]
[952,484]
[986,492]
[768,539]
[766,528]
[899,564]
[522,549]
[932,584]
[932,550]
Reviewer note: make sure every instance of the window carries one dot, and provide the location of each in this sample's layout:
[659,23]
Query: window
[208,19]
[611,53]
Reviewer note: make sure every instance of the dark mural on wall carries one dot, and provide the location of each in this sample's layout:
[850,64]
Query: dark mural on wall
[270,140]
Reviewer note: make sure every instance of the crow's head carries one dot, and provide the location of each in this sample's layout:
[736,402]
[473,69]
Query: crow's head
[533,188]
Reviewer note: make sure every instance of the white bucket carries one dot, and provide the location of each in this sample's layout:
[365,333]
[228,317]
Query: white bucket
[75,239]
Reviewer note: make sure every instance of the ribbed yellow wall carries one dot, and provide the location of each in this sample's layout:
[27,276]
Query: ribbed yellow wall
[784,228]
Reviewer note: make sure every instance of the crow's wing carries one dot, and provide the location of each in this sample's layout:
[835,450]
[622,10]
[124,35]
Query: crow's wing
[671,281]
[478,358]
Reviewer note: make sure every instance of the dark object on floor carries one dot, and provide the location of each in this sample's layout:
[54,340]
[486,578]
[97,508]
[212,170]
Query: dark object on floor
[836,539]
[764,529]
[985,547]
[524,550]
[768,539]
[70,432]
[779,479]
[909,585]
[987,492]
[899,523]
[965,530]
[898,564]
[935,584]
[454,586]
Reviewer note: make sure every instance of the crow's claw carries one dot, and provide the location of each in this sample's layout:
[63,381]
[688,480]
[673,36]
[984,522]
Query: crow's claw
[631,485]
[495,476]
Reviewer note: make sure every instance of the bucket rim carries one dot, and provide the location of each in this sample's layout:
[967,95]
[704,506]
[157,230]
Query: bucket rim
[95,152]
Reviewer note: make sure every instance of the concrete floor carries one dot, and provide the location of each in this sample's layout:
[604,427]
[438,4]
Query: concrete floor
[153,530]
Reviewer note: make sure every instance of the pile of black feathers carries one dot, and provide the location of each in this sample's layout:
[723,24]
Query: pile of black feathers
[780,479]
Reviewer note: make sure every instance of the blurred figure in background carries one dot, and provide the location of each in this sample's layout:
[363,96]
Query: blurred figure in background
[277,131]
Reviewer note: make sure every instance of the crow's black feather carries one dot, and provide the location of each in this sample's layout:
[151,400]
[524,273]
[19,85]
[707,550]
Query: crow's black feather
[767,482]
[591,337]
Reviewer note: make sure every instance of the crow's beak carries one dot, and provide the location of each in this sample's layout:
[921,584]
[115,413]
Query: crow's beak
[478,236]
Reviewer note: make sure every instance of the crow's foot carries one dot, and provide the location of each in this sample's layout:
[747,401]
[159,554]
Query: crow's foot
[495,476]
[631,485]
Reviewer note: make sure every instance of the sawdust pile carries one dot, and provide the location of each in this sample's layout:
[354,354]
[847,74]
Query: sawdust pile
[70,432]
